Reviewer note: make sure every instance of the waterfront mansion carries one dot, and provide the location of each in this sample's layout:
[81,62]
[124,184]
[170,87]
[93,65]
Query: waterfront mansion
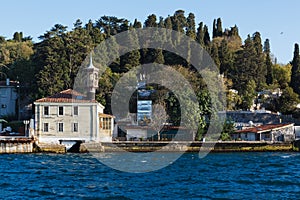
[71,116]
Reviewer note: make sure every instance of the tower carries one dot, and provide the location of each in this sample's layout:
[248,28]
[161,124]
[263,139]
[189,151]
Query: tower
[92,79]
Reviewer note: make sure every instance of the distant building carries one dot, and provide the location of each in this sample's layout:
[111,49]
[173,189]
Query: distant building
[8,98]
[268,132]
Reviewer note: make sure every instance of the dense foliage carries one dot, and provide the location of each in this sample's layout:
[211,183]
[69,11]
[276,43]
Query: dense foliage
[248,67]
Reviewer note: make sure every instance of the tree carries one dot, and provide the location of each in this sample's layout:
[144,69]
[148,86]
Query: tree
[260,61]
[110,25]
[215,55]
[219,29]
[200,34]
[295,76]
[214,29]
[18,36]
[225,57]
[288,101]
[269,66]
[282,75]
[179,21]
[206,38]
[190,29]
[248,95]
[137,24]
[267,48]
[132,58]
[151,21]
[158,117]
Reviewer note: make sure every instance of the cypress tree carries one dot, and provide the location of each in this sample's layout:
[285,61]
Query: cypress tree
[225,58]
[191,30]
[295,76]
[214,29]
[206,38]
[214,54]
[259,61]
[137,24]
[200,34]
[267,46]
[269,65]
[219,29]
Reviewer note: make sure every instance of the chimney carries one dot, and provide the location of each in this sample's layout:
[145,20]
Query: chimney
[7,82]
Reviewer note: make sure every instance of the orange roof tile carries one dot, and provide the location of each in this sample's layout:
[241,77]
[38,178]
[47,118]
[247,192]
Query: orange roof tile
[262,128]
[67,96]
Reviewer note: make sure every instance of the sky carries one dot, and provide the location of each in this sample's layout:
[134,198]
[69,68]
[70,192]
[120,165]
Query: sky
[279,21]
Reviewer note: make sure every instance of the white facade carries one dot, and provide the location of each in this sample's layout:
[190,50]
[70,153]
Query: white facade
[61,117]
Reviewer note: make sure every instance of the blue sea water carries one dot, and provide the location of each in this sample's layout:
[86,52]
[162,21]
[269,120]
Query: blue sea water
[217,176]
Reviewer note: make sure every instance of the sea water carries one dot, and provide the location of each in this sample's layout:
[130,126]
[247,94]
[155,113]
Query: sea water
[218,175]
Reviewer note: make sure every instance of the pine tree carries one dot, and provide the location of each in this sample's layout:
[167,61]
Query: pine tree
[132,58]
[295,76]
[245,66]
[151,21]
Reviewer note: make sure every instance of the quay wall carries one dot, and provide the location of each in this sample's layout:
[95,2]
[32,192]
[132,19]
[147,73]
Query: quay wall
[20,145]
[188,147]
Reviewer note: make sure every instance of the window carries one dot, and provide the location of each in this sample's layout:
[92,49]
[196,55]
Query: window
[75,110]
[60,110]
[46,110]
[106,123]
[60,127]
[46,127]
[75,127]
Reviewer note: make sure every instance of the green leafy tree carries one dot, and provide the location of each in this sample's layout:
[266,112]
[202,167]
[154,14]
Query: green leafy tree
[282,75]
[288,101]
[248,95]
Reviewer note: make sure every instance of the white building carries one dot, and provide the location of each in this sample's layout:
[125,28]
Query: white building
[71,116]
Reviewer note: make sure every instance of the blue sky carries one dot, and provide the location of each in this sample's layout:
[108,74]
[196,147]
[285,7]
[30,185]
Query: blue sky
[277,20]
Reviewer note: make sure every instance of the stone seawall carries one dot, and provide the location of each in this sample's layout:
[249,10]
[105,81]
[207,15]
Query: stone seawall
[20,145]
[186,147]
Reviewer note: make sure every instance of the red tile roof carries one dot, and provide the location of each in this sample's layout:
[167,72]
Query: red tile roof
[263,128]
[67,96]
